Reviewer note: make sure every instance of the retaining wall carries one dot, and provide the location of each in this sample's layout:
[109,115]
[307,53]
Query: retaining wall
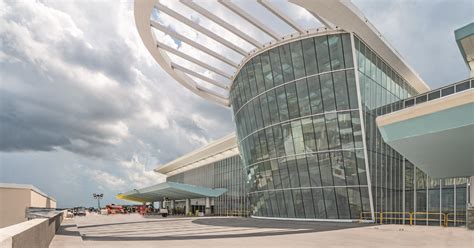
[33,233]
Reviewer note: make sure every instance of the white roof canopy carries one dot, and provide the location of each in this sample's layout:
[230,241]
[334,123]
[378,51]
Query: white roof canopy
[203,45]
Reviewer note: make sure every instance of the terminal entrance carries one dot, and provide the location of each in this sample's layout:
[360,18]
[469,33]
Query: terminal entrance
[200,209]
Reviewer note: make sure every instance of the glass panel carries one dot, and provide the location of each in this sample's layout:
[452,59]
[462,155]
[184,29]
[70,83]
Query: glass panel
[303,97]
[297,133]
[335,51]
[308,135]
[303,171]
[330,202]
[309,54]
[345,130]
[267,70]
[276,67]
[326,170]
[333,131]
[327,92]
[297,58]
[259,74]
[293,170]
[273,106]
[361,167]
[322,53]
[409,103]
[462,86]
[447,91]
[308,203]
[287,138]
[290,204]
[281,203]
[346,42]
[286,63]
[352,89]
[274,202]
[340,90]
[355,202]
[364,193]
[356,129]
[319,204]
[252,77]
[285,180]
[299,208]
[338,171]
[434,95]
[320,133]
[343,203]
[315,95]
[421,99]
[313,168]
[282,103]
[350,165]
[292,99]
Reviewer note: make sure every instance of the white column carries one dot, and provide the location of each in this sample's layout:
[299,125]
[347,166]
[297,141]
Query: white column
[208,206]
[188,206]
[471,197]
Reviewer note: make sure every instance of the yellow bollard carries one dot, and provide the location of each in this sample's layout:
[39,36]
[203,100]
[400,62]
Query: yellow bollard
[381,217]
[411,219]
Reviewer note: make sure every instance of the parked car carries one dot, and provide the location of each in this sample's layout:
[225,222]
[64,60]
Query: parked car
[81,211]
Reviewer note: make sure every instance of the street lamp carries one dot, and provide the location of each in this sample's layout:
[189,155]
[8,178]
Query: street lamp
[98,197]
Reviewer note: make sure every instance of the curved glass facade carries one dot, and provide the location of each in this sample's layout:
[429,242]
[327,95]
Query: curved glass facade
[299,130]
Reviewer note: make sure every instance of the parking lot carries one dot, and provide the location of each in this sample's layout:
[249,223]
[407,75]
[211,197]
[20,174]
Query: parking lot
[134,230]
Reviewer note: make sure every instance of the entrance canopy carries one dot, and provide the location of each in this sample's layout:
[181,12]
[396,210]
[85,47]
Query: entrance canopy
[170,190]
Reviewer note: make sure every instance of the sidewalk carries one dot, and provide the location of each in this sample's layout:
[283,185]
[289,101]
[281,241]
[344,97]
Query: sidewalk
[67,236]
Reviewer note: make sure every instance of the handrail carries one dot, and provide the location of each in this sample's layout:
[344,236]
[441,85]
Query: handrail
[444,218]
[447,90]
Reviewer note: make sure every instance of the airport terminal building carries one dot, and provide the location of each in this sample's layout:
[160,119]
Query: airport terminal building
[331,123]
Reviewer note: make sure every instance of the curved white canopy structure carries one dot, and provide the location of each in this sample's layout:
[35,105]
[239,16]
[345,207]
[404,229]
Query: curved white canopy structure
[203,48]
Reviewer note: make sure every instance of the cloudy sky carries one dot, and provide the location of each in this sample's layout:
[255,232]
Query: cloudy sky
[85,109]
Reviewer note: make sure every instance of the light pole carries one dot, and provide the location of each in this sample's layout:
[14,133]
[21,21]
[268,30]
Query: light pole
[98,197]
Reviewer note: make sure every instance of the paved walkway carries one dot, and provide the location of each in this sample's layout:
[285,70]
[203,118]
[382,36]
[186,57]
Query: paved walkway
[136,231]
[67,236]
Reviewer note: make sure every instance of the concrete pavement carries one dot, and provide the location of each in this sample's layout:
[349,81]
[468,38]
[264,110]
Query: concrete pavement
[137,231]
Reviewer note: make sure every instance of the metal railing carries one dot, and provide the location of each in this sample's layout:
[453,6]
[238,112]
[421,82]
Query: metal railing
[33,212]
[432,95]
[413,217]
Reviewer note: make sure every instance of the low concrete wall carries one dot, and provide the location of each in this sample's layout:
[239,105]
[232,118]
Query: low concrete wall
[32,233]
[470,218]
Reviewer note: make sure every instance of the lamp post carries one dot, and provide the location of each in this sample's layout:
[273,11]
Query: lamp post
[98,197]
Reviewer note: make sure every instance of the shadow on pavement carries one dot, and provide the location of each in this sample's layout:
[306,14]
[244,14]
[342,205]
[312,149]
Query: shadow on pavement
[63,230]
[280,227]
[283,224]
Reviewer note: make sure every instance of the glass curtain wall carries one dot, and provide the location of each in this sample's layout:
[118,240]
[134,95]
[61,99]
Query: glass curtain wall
[227,173]
[299,131]
[381,91]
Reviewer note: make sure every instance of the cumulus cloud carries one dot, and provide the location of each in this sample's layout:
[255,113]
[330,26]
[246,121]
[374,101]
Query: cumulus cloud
[64,89]
[78,82]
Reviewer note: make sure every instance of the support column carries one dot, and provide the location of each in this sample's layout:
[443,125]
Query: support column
[188,206]
[208,206]
[471,197]
[470,205]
